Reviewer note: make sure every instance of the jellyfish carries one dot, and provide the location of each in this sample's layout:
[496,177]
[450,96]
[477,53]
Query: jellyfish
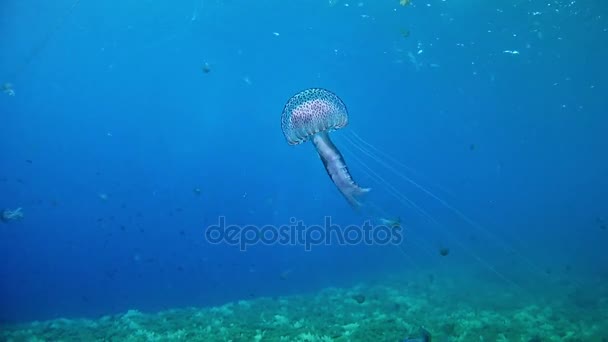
[311,115]
[314,113]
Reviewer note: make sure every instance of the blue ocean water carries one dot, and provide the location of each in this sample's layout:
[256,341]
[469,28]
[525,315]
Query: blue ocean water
[129,127]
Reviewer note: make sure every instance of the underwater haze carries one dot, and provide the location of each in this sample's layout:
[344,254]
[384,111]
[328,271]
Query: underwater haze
[135,132]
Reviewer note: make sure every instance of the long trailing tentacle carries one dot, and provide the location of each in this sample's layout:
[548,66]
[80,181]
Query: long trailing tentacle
[43,43]
[408,202]
[377,155]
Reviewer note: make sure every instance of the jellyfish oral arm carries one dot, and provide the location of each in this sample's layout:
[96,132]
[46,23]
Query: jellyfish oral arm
[336,169]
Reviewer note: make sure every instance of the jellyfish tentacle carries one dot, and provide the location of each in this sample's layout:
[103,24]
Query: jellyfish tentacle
[337,170]
[434,222]
[385,160]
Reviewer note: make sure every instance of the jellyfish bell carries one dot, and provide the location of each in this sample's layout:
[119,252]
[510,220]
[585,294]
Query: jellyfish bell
[311,115]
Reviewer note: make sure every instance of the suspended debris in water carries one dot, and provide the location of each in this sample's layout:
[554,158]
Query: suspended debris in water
[206,68]
[405,2]
[444,251]
[405,33]
[472,147]
[197,191]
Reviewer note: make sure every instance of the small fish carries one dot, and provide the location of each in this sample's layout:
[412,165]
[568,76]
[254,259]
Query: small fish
[600,221]
[7,88]
[392,222]
[425,336]
[8,215]
[359,298]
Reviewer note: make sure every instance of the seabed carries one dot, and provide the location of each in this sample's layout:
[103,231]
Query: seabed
[388,311]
